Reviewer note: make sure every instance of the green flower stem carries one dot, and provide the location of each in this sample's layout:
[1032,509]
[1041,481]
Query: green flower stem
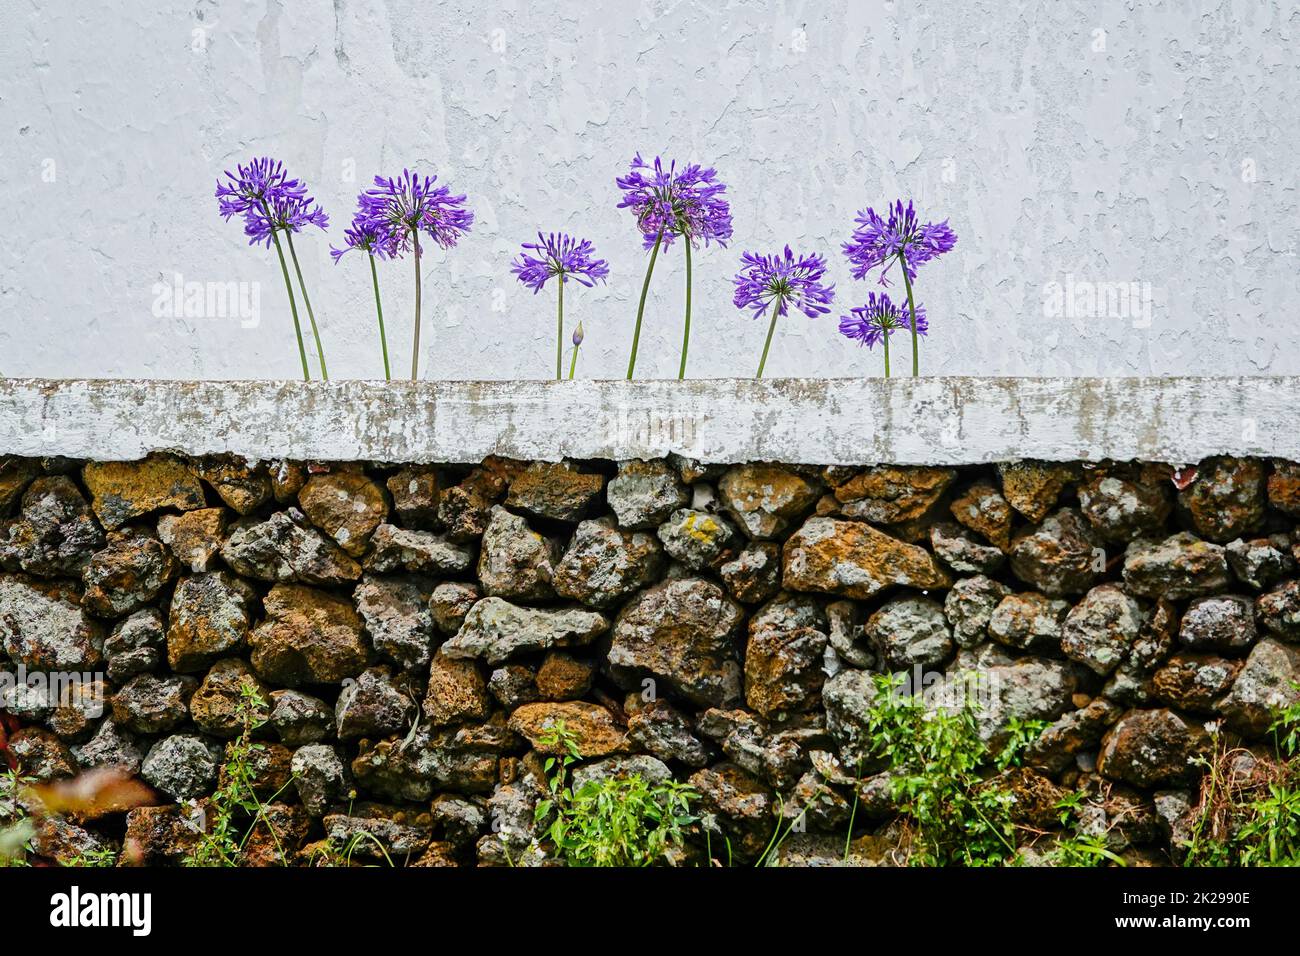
[379,310]
[771,327]
[573,363]
[916,362]
[885,339]
[559,336]
[686,333]
[293,307]
[640,309]
[315,332]
[415,349]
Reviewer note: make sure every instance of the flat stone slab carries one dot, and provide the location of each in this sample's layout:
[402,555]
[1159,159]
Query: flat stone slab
[930,421]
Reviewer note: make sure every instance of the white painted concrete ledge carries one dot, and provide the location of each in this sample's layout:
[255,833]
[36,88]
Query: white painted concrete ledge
[839,421]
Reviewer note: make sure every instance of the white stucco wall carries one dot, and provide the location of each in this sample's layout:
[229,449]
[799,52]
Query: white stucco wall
[1112,142]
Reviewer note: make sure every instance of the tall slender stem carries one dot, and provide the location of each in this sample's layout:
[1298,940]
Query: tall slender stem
[573,363]
[379,310]
[885,339]
[315,332]
[916,362]
[771,327]
[293,307]
[559,336]
[686,332]
[415,349]
[640,309]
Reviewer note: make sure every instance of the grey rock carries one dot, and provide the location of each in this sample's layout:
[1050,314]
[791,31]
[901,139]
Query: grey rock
[1221,623]
[910,632]
[373,705]
[210,618]
[650,769]
[320,777]
[450,602]
[147,704]
[286,548]
[644,493]
[1060,556]
[683,632]
[1100,630]
[605,564]
[137,645]
[54,535]
[962,551]
[112,746]
[697,539]
[183,766]
[1260,562]
[1181,566]
[1028,622]
[416,552]
[1279,610]
[1266,684]
[754,574]
[397,617]
[43,627]
[516,562]
[663,731]
[969,606]
[299,718]
[496,630]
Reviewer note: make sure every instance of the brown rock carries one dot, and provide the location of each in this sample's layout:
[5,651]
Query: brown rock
[556,490]
[194,537]
[783,669]
[1153,748]
[463,508]
[682,632]
[1122,508]
[892,494]
[1028,622]
[754,574]
[210,617]
[564,677]
[457,692]
[121,490]
[1226,500]
[1060,556]
[1283,488]
[1033,487]
[983,509]
[416,492]
[216,707]
[309,637]
[347,506]
[127,575]
[767,499]
[1194,682]
[287,479]
[450,602]
[159,834]
[242,486]
[15,473]
[605,564]
[855,560]
[593,728]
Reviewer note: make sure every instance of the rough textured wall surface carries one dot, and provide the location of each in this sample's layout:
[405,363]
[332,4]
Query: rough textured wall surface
[412,633]
[1088,144]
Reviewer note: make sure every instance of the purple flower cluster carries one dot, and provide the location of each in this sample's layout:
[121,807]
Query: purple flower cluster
[395,211]
[880,242]
[669,204]
[782,281]
[559,255]
[268,199]
[870,323]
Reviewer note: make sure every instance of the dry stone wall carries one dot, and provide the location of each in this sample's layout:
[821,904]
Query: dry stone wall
[412,632]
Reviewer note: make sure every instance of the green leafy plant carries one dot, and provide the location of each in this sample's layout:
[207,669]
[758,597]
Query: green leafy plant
[615,821]
[1023,733]
[1249,808]
[936,761]
[235,810]
[1077,848]
[16,828]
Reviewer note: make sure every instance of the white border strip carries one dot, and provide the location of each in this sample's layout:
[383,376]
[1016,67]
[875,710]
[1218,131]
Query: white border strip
[934,421]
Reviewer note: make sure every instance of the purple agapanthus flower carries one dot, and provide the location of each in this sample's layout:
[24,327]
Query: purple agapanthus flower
[669,204]
[559,255]
[783,281]
[880,242]
[870,323]
[363,236]
[398,209]
[268,199]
